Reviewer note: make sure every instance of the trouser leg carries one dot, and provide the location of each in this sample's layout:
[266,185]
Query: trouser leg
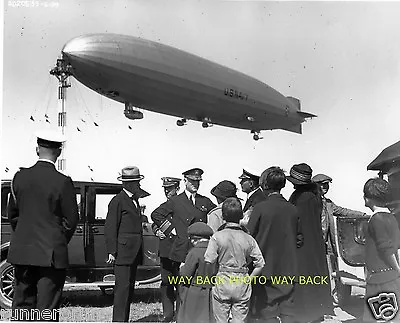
[221,304]
[240,302]
[123,291]
[50,287]
[167,289]
[25,291]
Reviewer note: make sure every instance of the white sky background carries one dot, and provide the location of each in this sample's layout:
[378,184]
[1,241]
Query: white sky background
[341,59]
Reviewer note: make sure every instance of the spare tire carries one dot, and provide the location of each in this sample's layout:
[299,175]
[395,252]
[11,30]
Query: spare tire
[6,284]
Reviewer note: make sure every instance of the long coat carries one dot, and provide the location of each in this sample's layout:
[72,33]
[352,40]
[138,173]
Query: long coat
[311,301]
[123,230]
[196,298]
[43,216]
[274,225]
[183,213]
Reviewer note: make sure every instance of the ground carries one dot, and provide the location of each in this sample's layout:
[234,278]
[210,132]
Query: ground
[91,305]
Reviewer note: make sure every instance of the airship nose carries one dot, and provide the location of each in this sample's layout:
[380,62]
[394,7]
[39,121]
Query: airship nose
[76,45]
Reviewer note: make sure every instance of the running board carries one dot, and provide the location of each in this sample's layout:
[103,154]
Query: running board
[109,282]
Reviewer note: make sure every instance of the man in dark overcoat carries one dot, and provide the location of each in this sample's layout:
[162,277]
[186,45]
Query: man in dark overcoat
[274,225]
[123,237]
[43,213]
[183,210]
[164,230]
[250,185]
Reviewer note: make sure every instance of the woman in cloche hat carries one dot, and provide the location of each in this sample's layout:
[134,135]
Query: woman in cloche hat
[311,301]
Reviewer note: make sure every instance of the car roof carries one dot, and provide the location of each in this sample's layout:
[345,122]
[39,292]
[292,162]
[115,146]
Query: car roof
[5,182]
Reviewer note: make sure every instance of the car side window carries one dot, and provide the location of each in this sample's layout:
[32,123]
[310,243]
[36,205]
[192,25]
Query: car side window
[78,201]
[102,197]
[5,197]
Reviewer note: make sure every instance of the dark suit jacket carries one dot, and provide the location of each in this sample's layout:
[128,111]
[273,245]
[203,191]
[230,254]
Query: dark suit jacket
[183,213]
[257,197]
[123,230]
[43,216]
[274,225]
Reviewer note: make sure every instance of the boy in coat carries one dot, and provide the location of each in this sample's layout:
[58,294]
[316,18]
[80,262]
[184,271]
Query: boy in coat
[196,298]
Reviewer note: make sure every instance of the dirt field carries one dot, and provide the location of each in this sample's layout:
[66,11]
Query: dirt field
[91,305]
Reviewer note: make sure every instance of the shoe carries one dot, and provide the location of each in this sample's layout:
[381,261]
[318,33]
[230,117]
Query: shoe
[167,319]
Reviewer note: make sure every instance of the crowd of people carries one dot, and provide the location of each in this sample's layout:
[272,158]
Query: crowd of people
[266,259]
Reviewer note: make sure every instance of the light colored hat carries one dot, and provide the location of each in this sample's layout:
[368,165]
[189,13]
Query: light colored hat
[130,173]
[50,139]
[321,178]
[247,175]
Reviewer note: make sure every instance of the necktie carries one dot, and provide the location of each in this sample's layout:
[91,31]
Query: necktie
[135,202]
[192,199]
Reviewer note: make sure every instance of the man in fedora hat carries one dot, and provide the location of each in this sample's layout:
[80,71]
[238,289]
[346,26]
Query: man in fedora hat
[251,186]
[123,237]
[43,214]
[221,192]
[165,231]
[184,209]
[310,299]
[329,210]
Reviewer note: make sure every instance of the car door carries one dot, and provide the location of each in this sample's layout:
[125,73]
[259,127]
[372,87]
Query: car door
[76,246]
[98,199]
[351,249]
[5,225]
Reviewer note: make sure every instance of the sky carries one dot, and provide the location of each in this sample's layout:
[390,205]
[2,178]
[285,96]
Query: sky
[341,59]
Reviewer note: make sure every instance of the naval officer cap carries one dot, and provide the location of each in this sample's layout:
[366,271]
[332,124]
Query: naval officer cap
[193,174]
[200,229]
[321,178]
[50,139]
[248,175]
[170,181]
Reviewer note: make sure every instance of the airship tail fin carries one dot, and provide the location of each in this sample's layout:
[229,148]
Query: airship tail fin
[306,115]
[295,129]
[296,102]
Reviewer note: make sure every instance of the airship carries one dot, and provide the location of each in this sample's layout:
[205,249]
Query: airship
[148,75]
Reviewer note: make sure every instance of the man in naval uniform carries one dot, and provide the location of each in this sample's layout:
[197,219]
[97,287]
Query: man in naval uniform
[43,213]
[183,210]
[123,237]
[250,186]
[165,231]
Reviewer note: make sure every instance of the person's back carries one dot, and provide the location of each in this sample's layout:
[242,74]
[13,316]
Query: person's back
[43,214]
[311,301]
[275,230]
[40,229]
[381,247]
[234,246]
[382,235]
[231,247]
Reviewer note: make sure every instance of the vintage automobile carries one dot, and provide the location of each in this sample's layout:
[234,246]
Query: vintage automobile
[87,254]
[350,231]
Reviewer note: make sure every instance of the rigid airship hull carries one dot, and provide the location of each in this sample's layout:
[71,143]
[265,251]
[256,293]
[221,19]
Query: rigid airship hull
[163,79]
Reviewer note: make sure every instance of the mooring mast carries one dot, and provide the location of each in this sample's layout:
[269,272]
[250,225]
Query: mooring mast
[62,71]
